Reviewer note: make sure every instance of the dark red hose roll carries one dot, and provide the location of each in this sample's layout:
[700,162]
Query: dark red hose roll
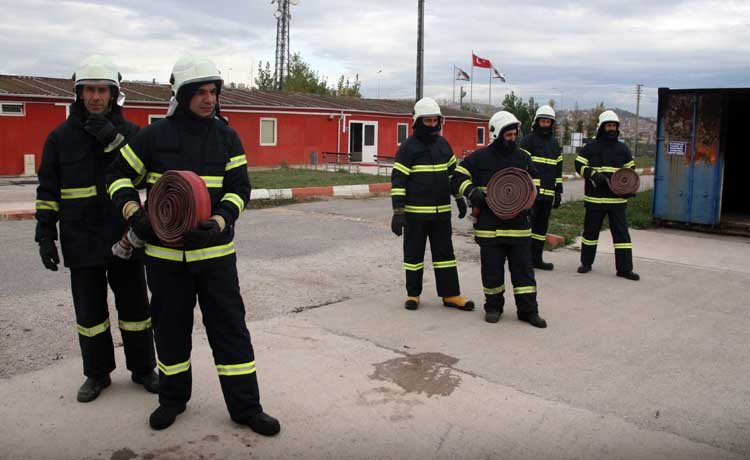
[509,192]
[624,182]
[177,202]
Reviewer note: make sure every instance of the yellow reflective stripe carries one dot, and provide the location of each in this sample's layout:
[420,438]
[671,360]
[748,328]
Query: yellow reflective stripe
[536,181]
[212,252]
[560,159]
[452,161]
[493,291]
[152,177]
[42,205]
[174,368]
[524,290]
[413,267]
[235,200]
[95,330]
[539,237]
[444,264]
[213,181]
[596,200]
[135,326]
[464,185]
[502,233]
[543,160]
[623,245]
[527,152]
[583,168]
[582,160]
[159,252]
[235,162]
[546,191]
[427,209]
[133,160]
[430,168]
[484,189]
[76,193]
[629,164]
[559,180]
[589,242]
[606,169]
[403,169]
[398,192]
[462,170]
[118,184]
[230,370]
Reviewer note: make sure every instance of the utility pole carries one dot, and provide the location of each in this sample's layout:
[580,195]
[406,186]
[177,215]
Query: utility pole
[420,48]
[283,20]
[638,92]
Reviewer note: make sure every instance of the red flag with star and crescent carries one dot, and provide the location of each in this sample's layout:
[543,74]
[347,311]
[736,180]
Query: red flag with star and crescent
[476,61]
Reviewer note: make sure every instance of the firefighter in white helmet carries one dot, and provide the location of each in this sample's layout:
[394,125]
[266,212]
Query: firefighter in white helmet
[548,160]
[500,239]
[72,192]
[596,163]
[420,190]
[194,137]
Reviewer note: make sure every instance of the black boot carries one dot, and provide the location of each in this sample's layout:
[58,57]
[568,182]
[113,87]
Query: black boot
[492,316]
[91,388]
[534,319]
[262,423]
[584,268]
[164,416]
[629,275]
[542,265]
[412,303]
[149,380]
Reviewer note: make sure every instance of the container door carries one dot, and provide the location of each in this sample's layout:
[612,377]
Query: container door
[707,164]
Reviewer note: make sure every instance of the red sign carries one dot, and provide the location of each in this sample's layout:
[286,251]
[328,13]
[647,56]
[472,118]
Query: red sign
[476,61]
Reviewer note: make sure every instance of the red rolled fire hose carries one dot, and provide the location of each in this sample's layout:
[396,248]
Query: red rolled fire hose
[509,192]
[624,182]
[177,202]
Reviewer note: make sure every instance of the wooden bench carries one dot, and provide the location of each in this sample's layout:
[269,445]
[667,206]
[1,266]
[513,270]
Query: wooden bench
[336,160]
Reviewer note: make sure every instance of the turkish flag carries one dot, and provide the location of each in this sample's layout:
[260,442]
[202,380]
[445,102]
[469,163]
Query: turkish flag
[476,61]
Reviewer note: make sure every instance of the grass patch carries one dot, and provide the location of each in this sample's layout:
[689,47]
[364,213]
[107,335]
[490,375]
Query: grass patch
[293,177]
[567,220]
[641,161]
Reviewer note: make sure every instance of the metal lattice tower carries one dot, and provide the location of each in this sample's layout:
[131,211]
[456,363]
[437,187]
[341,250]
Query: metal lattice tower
[283,20]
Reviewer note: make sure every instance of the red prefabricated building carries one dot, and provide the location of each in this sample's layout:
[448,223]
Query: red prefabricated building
[275,127]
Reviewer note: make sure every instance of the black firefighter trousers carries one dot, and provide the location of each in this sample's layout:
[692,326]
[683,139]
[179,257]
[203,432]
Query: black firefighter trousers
[539,222]
[521,275]
[439,232]
[618,225]
[173,296]
[128,283]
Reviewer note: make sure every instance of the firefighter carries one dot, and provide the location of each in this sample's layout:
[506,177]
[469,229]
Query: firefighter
[420,190]
[72,191]
[596,163]
[547,157]
[500,239]
[194,137]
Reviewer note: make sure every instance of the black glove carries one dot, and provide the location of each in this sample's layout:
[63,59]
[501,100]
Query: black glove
[461,203]
[558,199]
[477,197]
[207,233]
[599,179]
[141,225]
[398,221]
[101,128]
[48,253]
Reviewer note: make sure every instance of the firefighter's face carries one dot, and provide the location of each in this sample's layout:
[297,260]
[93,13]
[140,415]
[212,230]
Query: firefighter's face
[610,127]
[430,122]
[96,98]
[510,135]
[203,102]
[544,122]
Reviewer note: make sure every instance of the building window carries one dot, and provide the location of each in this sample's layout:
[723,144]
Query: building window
[12,109]
[154,118]
[402,132]
[267,131]
[480,135]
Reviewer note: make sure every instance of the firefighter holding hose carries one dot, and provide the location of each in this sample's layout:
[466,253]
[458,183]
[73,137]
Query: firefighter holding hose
[194,137]
[499,239]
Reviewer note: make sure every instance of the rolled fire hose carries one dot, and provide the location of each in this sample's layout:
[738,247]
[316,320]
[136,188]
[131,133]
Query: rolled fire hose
[509,192]
[624,182]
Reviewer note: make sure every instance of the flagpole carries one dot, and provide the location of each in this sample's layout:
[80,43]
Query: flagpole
[490,98]
[471,82]
[453,77]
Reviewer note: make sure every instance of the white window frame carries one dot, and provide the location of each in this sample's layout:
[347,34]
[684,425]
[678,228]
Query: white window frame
[398,125]
[151,117]
[275,132]
[13,114]
[484,135]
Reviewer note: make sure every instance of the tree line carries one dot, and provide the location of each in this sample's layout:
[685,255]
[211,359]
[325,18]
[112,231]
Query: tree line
[303,79]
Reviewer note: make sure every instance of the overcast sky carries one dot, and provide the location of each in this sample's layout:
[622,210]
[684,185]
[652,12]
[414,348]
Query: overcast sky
[584,51]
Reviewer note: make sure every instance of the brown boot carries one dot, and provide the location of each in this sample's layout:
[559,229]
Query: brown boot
[412,303]
[458,302]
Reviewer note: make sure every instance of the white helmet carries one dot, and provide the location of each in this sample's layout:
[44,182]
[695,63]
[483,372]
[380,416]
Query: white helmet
[426,107]
[97,69]
[608,116]
[500,121]
[193,69]
[544,111]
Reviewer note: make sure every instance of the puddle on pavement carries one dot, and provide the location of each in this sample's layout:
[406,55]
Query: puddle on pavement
[428,373]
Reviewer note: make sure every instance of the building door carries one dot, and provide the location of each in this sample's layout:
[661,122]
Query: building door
[363,140]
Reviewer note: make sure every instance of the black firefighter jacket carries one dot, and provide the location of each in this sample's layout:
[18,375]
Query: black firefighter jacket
[72,190]
[475,171]
[420,180]
[548,160]
[183,141]
[603,156]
